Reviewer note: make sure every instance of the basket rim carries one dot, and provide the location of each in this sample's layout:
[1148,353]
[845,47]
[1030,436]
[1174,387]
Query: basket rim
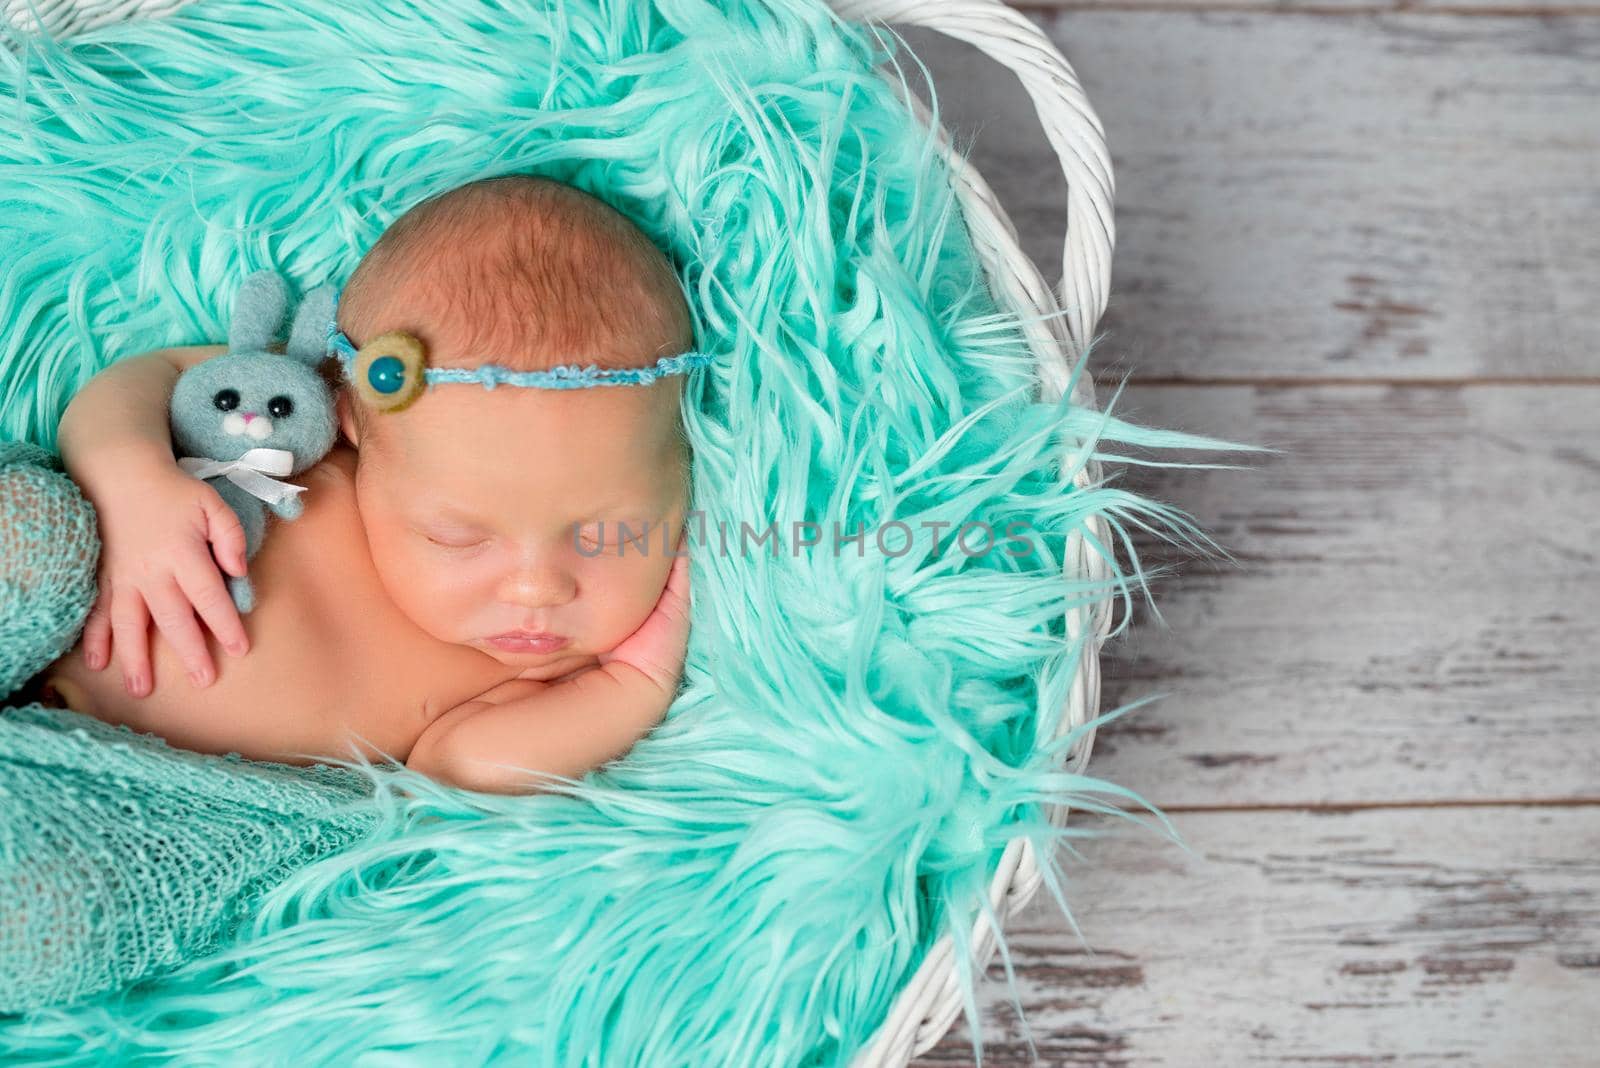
[928,1004]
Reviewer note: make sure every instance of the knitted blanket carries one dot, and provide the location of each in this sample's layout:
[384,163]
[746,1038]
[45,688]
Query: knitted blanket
[859,730]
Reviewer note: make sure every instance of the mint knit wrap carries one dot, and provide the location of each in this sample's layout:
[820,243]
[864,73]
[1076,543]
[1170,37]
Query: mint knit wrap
[121,857]
[49,547]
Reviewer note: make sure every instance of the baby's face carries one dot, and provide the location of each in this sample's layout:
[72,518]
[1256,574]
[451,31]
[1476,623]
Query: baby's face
[489,512]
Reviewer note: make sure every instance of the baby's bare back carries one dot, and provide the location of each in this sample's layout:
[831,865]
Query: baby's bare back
[332,660]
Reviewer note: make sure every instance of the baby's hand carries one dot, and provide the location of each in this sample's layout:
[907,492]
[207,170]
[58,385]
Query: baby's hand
[158,528]
[661,642]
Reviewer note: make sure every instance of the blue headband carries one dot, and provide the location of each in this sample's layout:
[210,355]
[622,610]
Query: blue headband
[391,370]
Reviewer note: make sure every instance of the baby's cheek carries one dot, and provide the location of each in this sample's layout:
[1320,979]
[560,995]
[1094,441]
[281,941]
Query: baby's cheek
[421,588]
[624,597]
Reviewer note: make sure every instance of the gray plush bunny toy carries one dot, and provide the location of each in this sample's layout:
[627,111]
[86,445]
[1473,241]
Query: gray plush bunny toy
[249,414]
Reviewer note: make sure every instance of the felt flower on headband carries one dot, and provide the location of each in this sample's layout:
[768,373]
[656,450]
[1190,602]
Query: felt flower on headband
[391,370]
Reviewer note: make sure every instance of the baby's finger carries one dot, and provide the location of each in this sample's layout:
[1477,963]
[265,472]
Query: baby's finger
[174,617]
[130,633]
[202,584]
[678,577]
[226,534]
[97,634]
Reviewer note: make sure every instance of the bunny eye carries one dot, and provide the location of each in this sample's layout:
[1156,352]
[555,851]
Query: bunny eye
[226,400]
[280,407]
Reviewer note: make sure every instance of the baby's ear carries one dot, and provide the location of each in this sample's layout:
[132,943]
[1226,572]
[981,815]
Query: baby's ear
[308,338]
[257,312]
[344,410]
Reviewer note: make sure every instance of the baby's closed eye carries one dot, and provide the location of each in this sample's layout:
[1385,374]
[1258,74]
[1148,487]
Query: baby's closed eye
[453,539]
[618,535]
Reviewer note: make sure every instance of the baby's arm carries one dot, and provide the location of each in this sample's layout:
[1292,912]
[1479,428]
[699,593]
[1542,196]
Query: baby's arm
[157,524]
[566,728]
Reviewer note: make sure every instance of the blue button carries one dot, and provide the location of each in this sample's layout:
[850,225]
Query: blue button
[387,374]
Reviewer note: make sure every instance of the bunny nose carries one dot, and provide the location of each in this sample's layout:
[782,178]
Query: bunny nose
[249,416]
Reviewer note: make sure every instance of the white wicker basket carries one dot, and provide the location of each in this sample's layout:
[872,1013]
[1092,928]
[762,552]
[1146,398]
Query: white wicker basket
[929,1004]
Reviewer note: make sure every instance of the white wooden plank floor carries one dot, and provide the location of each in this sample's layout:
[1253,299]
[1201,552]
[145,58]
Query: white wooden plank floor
[1366,234]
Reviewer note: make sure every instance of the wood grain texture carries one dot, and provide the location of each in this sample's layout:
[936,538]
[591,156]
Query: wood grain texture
[1407,196]
[1413,614]
[1364,234]
[1332,8]
[1465,937]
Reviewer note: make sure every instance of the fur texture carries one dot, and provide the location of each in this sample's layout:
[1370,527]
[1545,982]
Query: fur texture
[858,734]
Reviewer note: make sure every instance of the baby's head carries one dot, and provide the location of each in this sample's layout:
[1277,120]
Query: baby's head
[495,511]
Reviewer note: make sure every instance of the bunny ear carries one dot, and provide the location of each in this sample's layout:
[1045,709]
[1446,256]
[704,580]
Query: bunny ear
[257,312]
[308,337]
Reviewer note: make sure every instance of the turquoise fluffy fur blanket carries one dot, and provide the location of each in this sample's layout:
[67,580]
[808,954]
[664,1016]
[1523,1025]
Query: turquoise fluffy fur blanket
[858,733]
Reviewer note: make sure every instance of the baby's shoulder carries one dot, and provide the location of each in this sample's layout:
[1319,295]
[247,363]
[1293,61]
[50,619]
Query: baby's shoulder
[330,486]
[338,467]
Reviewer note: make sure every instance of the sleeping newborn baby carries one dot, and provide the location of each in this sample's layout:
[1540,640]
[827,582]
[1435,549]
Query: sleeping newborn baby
[483,581]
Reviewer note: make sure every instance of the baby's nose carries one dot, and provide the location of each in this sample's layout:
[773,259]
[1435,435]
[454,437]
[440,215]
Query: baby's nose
[543,587]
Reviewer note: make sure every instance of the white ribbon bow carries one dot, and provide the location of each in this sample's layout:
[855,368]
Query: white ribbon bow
[249,472]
